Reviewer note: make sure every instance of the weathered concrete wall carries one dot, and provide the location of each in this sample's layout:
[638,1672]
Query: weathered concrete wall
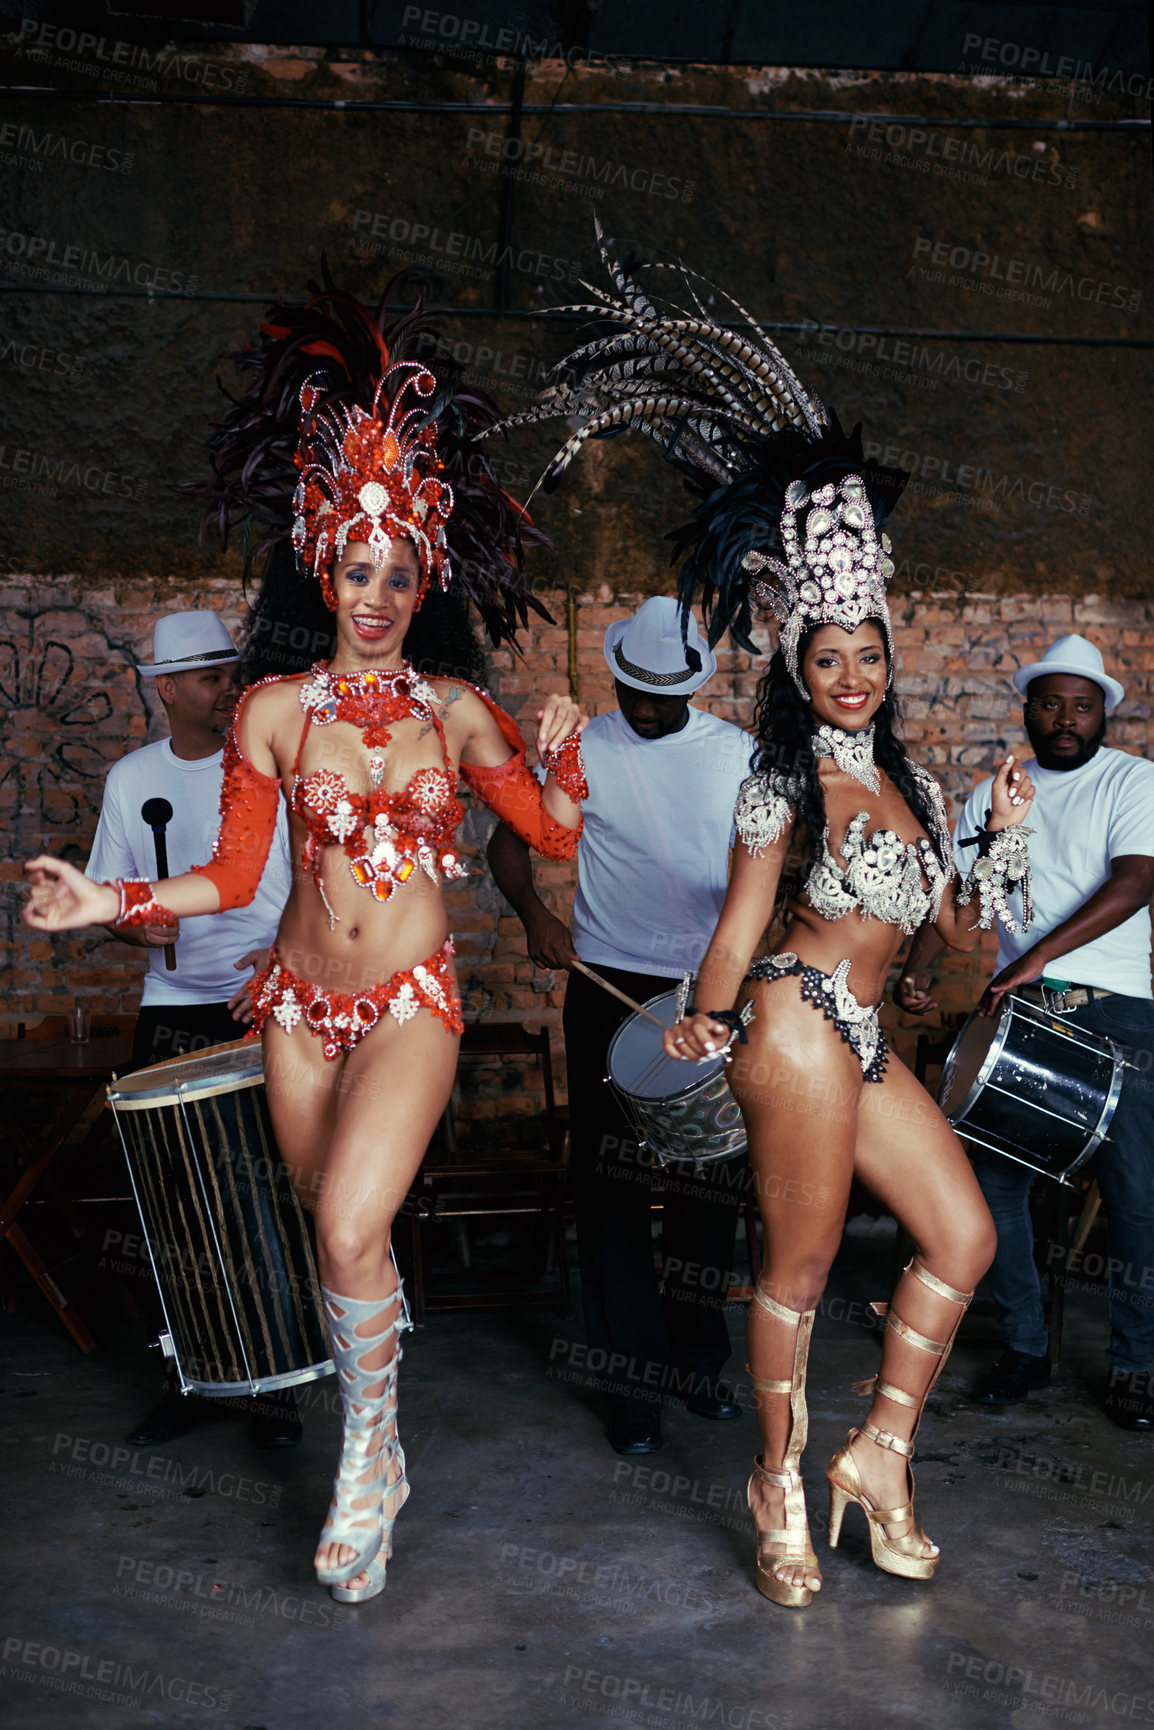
[1030,457]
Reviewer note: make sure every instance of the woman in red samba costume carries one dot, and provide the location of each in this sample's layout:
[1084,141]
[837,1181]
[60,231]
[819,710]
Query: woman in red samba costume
[365,456]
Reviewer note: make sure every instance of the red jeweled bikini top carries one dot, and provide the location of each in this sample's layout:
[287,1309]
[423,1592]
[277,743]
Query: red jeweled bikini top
[387,837]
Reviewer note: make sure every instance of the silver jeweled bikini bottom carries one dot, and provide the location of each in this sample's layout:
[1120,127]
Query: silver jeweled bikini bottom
[857,1023]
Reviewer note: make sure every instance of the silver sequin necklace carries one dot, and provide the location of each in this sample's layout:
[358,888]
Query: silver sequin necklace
[852,752]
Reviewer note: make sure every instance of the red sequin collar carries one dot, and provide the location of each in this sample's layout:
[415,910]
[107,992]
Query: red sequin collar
[367,700]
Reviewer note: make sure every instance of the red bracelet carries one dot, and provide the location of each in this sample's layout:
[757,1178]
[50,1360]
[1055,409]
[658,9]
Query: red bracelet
[564,762]
[138,905]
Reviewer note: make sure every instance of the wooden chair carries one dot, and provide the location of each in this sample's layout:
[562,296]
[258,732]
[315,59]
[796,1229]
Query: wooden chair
[460,1182]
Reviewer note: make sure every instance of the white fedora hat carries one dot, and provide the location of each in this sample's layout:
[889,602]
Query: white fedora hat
[646,651]
[1072,654]
[182,642]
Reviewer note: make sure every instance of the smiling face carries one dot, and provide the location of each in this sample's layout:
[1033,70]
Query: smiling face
[1065,719]
[845,674]
[375,603]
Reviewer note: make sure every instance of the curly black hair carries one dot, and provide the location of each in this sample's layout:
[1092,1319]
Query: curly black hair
[289,628]
[783,727]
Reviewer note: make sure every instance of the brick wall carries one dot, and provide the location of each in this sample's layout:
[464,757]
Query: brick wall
[75,703]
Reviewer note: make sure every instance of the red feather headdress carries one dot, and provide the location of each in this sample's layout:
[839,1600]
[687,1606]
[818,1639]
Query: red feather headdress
[356,427]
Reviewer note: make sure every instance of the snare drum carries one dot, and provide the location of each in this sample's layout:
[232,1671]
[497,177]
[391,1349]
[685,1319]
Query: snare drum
[1034,1088]
[697,1121]
[230,1243]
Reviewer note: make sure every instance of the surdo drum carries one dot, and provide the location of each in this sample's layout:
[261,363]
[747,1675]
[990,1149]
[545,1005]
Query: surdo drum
[1027,1085]
[696,1121]
[230,1243]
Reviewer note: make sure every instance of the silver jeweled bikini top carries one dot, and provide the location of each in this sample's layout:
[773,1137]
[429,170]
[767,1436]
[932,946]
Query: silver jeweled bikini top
[879,874]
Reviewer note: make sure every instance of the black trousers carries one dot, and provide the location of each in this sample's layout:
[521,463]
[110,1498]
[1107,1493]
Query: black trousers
[167,1030]
[643,1340]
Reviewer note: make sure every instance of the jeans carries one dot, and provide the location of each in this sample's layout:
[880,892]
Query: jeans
[1124,1167]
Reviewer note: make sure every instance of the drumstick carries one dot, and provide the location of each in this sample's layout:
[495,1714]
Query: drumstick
[613,991]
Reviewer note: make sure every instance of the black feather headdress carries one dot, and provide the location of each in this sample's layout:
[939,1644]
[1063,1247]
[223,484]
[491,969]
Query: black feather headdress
[724,406]
[356,425]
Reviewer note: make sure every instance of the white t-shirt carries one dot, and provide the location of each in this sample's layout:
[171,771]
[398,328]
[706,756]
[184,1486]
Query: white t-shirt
[1082,819]
[653,854]
[123,846]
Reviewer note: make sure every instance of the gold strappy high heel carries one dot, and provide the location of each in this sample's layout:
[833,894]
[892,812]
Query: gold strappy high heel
[791,1542]
[903,1555]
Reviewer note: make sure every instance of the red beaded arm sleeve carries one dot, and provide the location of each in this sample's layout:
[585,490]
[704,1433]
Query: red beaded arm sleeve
[513,792]
[248,808]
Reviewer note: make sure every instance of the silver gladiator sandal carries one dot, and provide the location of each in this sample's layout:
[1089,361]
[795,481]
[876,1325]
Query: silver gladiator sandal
[369,1443]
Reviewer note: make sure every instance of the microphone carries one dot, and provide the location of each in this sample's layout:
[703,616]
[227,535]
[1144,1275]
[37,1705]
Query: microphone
[157,813]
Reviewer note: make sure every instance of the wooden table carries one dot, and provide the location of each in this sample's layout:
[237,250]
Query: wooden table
[77,1075]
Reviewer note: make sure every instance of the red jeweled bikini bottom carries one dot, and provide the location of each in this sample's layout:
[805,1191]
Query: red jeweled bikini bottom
[340,1019]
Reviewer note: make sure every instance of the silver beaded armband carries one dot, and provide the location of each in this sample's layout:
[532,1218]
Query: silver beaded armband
[761,814]
[1002,865]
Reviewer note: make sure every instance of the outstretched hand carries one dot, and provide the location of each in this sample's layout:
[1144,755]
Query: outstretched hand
[64,899]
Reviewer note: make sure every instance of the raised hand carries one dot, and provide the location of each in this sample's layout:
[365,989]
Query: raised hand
[1011,796]
[559,717]
[64,899]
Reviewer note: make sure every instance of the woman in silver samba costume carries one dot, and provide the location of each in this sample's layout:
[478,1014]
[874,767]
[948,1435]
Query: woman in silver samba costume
[843,850]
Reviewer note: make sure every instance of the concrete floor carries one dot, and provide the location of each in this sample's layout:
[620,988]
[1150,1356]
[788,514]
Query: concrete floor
[538,1579]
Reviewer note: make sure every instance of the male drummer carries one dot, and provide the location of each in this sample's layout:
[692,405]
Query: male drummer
[191,996]
[1086,957]
[651,866]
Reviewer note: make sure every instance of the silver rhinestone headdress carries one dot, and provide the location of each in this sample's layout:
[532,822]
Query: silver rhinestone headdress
[835,574]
